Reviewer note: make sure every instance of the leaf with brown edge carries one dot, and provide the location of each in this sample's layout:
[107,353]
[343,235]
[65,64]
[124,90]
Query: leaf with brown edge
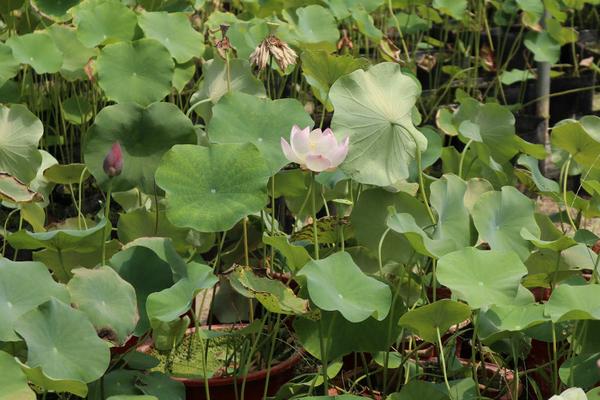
[15,191]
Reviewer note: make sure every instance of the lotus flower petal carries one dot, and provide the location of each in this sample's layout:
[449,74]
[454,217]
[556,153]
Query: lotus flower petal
[570,394]
[289,152]
[113,162]
[339,153]
[315,150]
[317,163]
[299,140]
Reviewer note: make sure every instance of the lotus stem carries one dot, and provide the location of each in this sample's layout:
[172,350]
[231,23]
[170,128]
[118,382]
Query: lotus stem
[271,351]
[462,158]
[442,358]
[106,216]
[313,189]
[565,181]
[80,195]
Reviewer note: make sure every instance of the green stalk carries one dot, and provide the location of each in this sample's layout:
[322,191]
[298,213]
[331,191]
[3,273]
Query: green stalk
[106,216]
[565,179]
[80,197]
[314,215]
[379,248]
[442,358]
[554,361]
[275,332]
[462,158]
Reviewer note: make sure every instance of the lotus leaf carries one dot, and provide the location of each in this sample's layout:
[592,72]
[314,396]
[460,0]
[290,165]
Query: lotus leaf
[336,283]
[63,342]
[482,277]
[211,189]
[140,72]
[241,118]
[145,135]
[375,108]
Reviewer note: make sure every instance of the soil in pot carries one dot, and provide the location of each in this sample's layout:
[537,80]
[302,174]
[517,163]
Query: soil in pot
[222,367]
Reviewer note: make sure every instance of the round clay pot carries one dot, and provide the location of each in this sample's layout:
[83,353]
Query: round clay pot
[224,388]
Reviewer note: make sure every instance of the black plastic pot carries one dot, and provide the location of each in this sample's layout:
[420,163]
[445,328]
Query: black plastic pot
[562,106]
[528,127]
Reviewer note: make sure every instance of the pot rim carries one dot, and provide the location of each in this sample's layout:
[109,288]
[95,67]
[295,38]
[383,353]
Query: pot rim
[277,369]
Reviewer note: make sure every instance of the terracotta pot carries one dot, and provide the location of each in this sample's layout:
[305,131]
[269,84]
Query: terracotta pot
[541,294]
[128,345]
[224,388]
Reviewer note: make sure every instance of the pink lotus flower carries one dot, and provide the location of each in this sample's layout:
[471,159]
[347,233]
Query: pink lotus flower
[317,151]
[113,162]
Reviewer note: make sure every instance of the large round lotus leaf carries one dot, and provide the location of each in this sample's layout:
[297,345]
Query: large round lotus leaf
[574,302]
[160,385]
[75,54]
[13,381]
[240,118]
[147,273]
[214,85]
[63,342]
[428,320]
[336,283]
[104,21]
[142,223]
[580,371]
[37,50]
[543,46]
[499,218]
[321,69]
[499,321]
[164,249]
[210,189]
[168,304]
[375,108]
[107,300]
[313,25]
[581,139]
[139,71]
[9,67]
[183,74]
[482,278]
[40,184]
[61,266]
[55,9]
[145,134]
[174,31]
[274,295]
[490,125]
[245,36]
[369,218]
[15,191]
[344,337]
[453,228]
[81,240]
[38,378]
[20,133]
[77,110]
[24,286]
[66,174]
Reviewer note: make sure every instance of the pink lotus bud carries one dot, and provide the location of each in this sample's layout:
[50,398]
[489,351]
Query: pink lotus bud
[113,162]
[317,151]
